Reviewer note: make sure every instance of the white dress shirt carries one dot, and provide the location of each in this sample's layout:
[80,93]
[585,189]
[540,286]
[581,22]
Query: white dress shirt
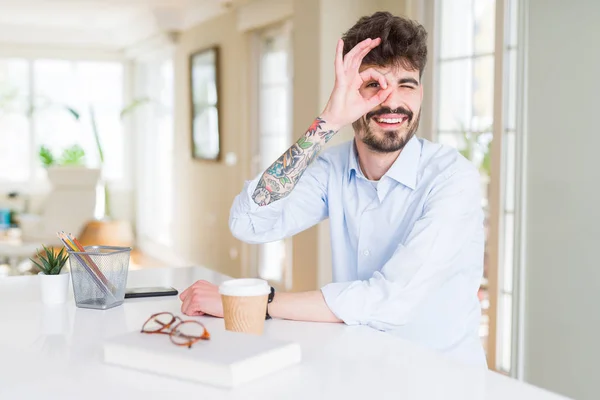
[407,252]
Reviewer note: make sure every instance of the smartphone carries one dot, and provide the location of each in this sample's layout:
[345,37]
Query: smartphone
[131,293]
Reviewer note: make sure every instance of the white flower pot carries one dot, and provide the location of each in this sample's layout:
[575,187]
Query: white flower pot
[55,288]
[73,176]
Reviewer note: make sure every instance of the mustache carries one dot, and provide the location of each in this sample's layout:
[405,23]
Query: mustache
[387,110]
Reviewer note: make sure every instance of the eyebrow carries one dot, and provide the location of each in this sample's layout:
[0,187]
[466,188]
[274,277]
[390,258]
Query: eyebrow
[408,80]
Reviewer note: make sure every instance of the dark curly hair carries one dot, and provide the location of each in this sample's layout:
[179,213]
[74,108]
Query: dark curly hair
[403,41]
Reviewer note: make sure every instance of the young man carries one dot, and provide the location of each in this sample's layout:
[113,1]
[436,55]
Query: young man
[405,214]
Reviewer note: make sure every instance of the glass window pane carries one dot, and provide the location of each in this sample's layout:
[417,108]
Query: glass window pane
[155,122]
[482,148]
[454,102]
[101,85]
[483,94]
[473,146]
[511,98]
[54,83]
[82,86]
[509,160]
[55,127]
[206,145]
[505,325]
[509,238]
[456,140]
[15,142]
[203,78]
[274,65]
[274,110]
[484,12]
[14,86]
[14,148]
[272,260]
[271,147]
[513,20]
[456,38]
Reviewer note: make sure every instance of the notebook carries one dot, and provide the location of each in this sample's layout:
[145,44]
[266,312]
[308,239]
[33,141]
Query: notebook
[228,359]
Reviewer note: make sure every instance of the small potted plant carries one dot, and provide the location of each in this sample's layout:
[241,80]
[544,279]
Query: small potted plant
[54,284]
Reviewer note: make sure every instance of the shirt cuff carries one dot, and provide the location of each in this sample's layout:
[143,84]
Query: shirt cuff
[332,293]
[248,205]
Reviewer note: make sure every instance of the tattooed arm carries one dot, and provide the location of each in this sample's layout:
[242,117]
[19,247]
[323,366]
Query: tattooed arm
[257,214]
[346,104]
[281,177]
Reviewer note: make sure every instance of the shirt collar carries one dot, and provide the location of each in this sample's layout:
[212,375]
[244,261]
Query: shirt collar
[403,170]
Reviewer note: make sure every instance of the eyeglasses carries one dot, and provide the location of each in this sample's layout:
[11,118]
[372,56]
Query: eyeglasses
[181,332]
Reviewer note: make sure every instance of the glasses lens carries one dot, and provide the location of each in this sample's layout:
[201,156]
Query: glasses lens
[187,332]
[158,322]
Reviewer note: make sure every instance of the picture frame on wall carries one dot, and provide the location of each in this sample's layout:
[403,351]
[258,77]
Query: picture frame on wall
[204,93]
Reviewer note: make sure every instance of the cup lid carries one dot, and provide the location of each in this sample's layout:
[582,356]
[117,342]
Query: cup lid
[245,287]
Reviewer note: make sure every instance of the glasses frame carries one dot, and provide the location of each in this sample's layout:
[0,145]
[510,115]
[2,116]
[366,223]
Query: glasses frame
[172,329]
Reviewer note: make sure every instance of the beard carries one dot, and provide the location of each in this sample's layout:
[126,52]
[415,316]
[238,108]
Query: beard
[391,140]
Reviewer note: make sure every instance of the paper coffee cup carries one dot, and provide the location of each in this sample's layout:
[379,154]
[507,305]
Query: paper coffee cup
[245,304]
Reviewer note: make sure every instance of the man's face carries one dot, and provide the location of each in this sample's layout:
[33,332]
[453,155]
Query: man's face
[389,126]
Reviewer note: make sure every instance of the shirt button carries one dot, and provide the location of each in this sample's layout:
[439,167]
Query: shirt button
[366,253]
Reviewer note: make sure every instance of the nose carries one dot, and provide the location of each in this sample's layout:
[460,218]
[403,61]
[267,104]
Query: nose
[394,100]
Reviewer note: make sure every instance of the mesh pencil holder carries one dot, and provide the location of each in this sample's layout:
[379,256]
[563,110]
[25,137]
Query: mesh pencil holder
[99,276]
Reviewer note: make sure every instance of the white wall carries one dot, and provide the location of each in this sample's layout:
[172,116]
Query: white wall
[562,309]
[204,190]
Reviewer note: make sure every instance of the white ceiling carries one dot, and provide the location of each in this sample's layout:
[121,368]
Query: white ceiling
[100,24]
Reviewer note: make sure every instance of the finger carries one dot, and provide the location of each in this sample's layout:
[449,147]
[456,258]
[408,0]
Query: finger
[371,74]
[356,49]
[184,305]
[187,291]
[188,303]
[183,294]
[380,97]
[195,305]
[339,59]
[358,57]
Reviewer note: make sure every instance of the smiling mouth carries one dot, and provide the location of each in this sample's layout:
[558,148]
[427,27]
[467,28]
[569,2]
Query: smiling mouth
[391,122]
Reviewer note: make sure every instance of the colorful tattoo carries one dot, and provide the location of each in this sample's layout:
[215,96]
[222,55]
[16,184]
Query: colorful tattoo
[281,177]
[315,126]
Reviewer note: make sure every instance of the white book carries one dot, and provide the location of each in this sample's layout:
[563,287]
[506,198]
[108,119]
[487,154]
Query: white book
[226,360]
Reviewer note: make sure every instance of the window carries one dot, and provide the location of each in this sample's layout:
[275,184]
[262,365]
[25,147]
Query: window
[465,93]
[156,126]
[34,99]
[466,58]
[274,134]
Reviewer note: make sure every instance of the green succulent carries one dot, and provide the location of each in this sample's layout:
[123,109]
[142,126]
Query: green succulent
[73,155]
[46,157]
[51,263]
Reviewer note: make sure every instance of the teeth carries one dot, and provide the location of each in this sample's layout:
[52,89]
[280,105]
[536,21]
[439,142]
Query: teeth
[390,120]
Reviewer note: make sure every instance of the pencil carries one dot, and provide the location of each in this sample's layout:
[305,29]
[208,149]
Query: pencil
[75,246]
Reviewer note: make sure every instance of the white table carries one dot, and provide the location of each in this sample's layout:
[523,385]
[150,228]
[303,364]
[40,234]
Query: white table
[55,353]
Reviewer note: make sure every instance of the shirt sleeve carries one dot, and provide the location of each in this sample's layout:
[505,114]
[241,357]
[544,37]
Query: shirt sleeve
[304,207]
[451,218]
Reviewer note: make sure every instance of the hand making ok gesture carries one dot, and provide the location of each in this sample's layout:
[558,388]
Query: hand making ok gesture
[346,104]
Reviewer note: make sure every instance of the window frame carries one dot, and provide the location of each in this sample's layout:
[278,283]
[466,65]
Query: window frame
[251,262]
